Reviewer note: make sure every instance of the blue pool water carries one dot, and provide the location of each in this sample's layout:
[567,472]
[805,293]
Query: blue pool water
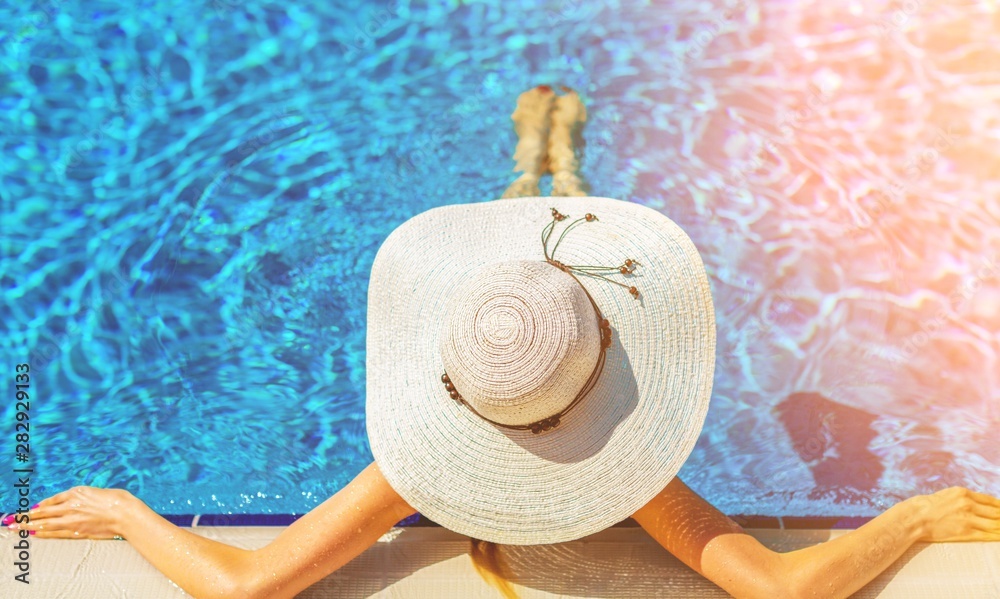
[193,194]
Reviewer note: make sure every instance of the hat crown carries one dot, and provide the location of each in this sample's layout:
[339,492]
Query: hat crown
[520,340]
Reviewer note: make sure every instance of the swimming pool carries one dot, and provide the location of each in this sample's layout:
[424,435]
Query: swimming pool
[194,194]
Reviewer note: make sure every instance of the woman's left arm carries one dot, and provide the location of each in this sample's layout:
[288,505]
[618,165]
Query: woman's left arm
[314,546]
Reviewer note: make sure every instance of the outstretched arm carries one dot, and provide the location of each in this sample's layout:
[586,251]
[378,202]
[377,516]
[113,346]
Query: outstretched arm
[718,549]
[329,536]
[315,545]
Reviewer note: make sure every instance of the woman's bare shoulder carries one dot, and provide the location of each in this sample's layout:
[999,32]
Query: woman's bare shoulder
[373,479]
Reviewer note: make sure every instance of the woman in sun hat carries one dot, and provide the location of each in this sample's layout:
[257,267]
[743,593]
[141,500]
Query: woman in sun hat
[538,370]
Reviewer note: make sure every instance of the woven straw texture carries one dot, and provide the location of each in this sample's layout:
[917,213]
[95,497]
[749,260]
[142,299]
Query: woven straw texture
[616,449]
[520,339]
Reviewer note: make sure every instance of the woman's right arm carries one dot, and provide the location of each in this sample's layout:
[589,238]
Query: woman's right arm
[718,549]
[317,544]
[329,536]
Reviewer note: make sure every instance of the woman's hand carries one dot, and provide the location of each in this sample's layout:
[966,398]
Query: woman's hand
[958,514]
[79,513]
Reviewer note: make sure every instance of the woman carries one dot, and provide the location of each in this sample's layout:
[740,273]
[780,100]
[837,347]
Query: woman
[521,398]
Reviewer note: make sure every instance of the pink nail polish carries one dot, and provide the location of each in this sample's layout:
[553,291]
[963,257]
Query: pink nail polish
[31,532]
[8,519]
[33,507]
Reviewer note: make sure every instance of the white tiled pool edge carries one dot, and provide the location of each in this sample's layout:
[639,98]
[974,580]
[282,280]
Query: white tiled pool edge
[432,562]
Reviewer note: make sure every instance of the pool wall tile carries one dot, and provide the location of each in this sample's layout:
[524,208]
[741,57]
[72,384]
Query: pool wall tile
[179,519]
[419,520]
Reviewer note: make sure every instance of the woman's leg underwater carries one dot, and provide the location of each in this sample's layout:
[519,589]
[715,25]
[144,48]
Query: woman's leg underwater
[568,116]
[531,122]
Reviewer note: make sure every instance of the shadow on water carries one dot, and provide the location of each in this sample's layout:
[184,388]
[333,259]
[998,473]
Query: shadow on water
[832,439]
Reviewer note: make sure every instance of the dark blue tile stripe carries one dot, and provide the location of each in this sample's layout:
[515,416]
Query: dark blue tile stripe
[746,521]
[179,519]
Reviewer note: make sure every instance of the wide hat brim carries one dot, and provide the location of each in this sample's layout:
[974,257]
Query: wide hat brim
[616,450]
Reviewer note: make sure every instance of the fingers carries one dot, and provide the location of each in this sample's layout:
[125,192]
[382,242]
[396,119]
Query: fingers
[54,535]
[42,513]
[59,534]
[984,534]
[43,533]
[986,511]
[986,523]
[52,528]
[985,499]
[59,497]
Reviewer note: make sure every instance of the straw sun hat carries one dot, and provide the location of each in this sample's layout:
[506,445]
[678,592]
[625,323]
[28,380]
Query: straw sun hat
[499,404]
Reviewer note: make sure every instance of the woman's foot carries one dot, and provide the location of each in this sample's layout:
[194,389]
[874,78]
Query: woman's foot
[531,123]
[525,186]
